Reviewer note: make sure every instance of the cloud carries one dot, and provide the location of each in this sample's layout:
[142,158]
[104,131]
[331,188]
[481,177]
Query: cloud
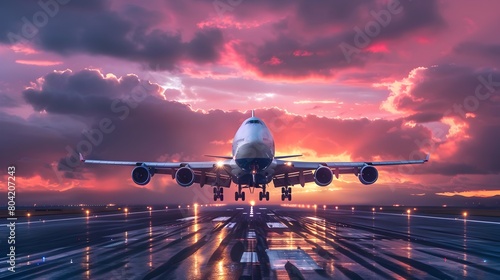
[334,36]
[129,33]
[38,62]
[451,94]
[304,37]
[484,50]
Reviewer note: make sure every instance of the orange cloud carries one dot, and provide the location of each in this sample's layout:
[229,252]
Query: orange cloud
[39,62]
[479,193]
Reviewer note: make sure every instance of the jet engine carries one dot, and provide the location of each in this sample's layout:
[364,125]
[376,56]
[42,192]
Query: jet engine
[368,175]
[323,176]
[184,176]
[141,175]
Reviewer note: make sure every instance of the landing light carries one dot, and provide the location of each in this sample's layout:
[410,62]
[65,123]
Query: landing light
[219,164]
[288,163]
[252,202]
[408,211]
[87,212]
[126,210]
[465,214]
[29,214]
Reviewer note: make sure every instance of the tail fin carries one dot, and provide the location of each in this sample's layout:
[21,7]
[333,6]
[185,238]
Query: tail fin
[253,113]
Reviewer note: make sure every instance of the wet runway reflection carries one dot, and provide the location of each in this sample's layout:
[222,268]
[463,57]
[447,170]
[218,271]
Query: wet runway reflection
[228,242]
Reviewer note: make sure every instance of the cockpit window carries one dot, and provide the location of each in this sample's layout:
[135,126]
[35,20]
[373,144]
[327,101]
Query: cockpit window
[254,121]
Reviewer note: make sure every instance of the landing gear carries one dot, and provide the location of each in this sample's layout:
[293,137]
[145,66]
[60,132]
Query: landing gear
[218,193]
[263,194]
[286,192]
[239,194]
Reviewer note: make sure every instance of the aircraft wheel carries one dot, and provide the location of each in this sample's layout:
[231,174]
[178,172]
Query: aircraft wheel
[215,197]
[221,191]
[282,190]
[260,196]
[221,197]
[289,197]
[236,196]
[290,190]
[215,190]
[282,197]
[267,196]
[242,196]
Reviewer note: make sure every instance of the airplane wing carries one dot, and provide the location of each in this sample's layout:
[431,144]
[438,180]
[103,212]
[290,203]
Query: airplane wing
[203,172]
[289,173]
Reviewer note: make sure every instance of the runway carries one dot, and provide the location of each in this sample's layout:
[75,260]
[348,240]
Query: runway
[244,242]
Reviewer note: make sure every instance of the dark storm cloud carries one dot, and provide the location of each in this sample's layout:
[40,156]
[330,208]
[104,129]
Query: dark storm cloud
[470,97]
[308,33]
[483,50]
[86,92]
[7,101]
[287,56]
[451,90]
[94,28]
[425,117]
[318,38]
[407,15]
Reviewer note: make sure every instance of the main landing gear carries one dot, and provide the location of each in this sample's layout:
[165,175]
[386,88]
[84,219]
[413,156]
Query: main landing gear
[218,193]
[286,192]
[263,194]
[239,194]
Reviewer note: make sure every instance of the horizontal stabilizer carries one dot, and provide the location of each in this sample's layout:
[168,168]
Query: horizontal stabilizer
[224,157]
[287,156]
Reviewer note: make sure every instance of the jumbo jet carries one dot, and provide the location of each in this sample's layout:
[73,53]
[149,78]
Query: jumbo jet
[253,164]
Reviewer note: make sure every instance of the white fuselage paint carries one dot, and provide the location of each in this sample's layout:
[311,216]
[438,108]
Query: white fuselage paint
[253,148]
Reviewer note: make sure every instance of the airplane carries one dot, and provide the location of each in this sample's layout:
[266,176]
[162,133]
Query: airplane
[253,164]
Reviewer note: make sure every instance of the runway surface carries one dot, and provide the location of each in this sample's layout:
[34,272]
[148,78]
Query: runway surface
[229,242]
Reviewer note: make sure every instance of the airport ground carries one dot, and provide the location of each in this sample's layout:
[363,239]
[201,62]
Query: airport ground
[244,242]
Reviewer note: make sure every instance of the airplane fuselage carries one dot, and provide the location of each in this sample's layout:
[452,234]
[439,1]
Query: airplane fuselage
[253,152]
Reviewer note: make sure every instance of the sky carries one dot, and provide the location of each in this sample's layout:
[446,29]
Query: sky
[356,80]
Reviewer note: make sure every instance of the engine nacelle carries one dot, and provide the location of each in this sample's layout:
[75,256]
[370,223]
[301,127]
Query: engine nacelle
[323,176]
[141,175]
[368,175]
[184,176]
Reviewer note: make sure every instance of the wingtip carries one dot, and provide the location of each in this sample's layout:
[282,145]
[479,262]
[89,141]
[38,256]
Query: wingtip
[427,157]
[81,157]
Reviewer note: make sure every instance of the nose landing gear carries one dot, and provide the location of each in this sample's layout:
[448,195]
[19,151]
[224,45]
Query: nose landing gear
[239,194]
[264,194]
